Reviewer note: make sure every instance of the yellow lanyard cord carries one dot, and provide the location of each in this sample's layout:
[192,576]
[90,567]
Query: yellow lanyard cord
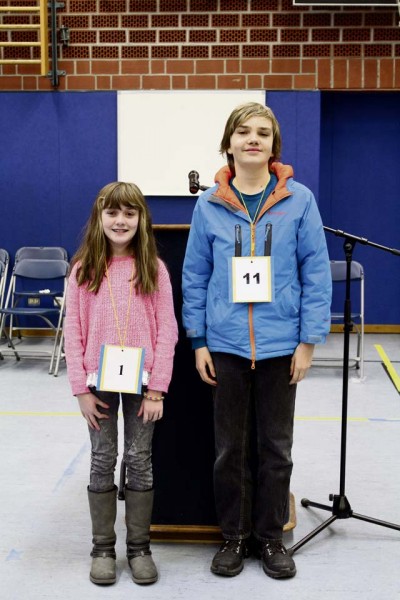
[122,340]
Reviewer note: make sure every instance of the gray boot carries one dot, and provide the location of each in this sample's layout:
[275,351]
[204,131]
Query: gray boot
[103,511]
[139,506]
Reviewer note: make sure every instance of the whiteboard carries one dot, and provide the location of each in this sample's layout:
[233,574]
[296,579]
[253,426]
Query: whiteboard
[162,135]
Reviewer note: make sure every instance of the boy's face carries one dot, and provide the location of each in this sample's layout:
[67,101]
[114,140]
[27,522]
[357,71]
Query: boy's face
[251,143]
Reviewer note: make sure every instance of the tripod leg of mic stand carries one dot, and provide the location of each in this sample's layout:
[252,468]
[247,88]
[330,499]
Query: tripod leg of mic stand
[340,509]
[376,521]
[305,502]
[312,534]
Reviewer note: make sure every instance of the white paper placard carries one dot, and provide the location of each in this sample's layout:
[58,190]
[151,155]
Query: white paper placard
[120,369]
[251,279]
[164,135]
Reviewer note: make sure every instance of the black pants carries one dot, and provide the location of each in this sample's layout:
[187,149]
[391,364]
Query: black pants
[244,505]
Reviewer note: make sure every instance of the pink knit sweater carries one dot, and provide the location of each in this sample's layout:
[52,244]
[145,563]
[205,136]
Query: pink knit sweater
[90,322]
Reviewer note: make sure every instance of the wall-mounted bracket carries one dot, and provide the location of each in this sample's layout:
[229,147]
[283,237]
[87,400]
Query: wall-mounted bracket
[54,74]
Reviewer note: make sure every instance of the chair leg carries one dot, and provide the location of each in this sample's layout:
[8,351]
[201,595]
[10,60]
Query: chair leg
[362,349]
[59,354]
[55,348]
[358,357]
[10,344]
[58,339]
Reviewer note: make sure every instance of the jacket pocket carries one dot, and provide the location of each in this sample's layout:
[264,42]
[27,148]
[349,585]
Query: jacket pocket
[286,304]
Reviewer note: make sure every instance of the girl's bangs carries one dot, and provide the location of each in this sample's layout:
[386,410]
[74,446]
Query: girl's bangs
[119,200]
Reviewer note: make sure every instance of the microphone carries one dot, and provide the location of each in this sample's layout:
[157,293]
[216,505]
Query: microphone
[194,184]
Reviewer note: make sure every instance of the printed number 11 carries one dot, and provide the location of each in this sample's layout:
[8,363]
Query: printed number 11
[256,277]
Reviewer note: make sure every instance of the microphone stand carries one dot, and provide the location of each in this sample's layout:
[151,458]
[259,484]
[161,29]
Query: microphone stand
[341,508]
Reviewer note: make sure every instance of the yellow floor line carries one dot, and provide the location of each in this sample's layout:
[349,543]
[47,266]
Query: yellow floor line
[389,367]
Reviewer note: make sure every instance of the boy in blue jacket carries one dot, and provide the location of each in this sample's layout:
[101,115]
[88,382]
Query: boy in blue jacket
[257,295]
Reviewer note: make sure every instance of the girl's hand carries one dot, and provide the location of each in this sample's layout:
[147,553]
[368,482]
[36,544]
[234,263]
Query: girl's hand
[205,365]
[152,410]
[301,362]
[88,405]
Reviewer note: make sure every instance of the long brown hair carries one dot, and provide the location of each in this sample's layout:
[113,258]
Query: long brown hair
[241,114]
[94,253]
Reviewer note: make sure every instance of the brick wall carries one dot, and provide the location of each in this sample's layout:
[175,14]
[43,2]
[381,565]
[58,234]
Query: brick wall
[213,44]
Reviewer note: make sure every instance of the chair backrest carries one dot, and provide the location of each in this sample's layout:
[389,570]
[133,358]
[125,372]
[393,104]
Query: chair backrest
[3,274]
[4,257]
[339,267]
[41,252]
[33,268]
[4,260]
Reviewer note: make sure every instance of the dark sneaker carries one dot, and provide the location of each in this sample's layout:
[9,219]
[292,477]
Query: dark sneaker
[276,561]
[228,561]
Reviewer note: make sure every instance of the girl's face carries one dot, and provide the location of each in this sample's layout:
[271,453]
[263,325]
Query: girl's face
[120,226]
[251,143]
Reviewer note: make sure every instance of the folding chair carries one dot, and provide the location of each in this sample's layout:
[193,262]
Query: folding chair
[58,348]
[4,261]
[338,272]
[36,290]
[41,252]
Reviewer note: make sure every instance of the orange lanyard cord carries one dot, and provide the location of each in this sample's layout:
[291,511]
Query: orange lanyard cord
[122,340]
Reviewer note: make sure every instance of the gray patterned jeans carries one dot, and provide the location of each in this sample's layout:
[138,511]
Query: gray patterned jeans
[137,444]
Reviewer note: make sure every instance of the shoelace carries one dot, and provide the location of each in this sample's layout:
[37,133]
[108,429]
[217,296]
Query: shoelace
[274,547]
[232,546]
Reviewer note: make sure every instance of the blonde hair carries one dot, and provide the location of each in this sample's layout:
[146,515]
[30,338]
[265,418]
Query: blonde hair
[94,252]
[241,114]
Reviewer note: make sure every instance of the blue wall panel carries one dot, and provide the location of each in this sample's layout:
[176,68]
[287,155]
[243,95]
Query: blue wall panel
[57,150]
[29,173]
[88,155]
[299,116]
[360,183]
[169,210]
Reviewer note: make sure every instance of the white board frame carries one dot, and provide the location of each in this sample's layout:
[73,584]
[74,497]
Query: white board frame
[164,135]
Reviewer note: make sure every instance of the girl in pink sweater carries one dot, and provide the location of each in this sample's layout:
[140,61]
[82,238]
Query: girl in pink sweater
[119,295]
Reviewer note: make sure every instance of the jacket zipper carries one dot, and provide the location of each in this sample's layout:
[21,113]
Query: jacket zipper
[238,240]
[267,252]
[267,249]
[268,239]
[251,324]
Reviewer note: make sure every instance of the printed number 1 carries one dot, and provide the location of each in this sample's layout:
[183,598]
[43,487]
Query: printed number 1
[247,277]
[121,368]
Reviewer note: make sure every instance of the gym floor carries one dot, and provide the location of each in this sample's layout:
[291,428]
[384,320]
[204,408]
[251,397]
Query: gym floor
[45,537]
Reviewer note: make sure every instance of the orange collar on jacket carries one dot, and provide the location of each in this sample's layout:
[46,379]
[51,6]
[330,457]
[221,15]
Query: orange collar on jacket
[225,192]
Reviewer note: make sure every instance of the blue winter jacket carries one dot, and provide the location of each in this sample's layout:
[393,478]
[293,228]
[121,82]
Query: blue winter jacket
[300,311]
